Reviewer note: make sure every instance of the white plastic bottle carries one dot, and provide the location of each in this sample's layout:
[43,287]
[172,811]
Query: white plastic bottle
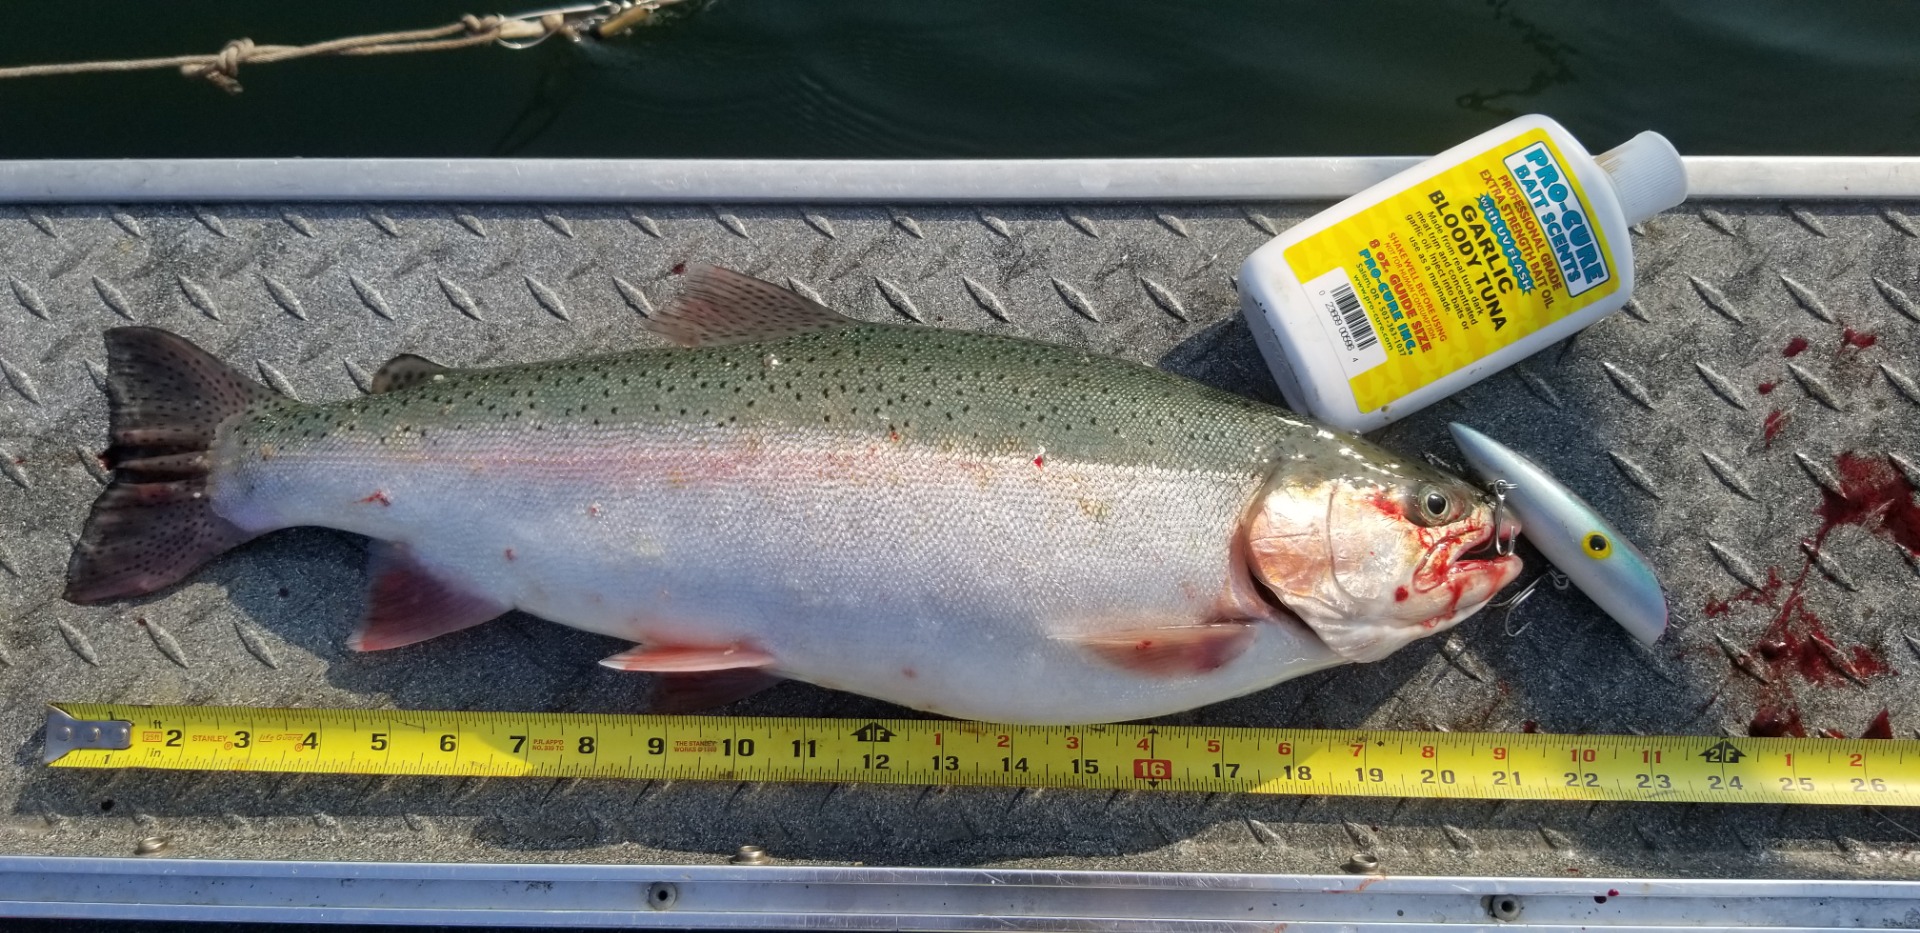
[1452,270]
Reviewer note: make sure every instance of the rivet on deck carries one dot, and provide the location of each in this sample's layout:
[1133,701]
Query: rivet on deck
[1728,475]
[94,466]
[255,645]
[300,224]
[1900,222]
[1897,298]
[898,299]
[127,222]
[1806,298]
[1260,222]
[558,223]
[198,296]
[165,642]
[1807,220]
[1081,222]
[1454,649]
[904,222]
[383,223]
[820,223]
[1457,838]
[995,224]
[1720,385]
[547,298]
[633,296]
[1815,387]
[1819,473]
[28,298]
[276,380]
[1075,300]
[1263,835]
[644,223]
[1175,224]
[361,378]
[1902,382]
[284,297]
[7,564]
[10,468]
[1715,300]
[1828,566]
[1907,467]
[21,382]
[804,290]
[459,298]
[471,222]
[984,297]
[1719,221]
[1636,310]
[1628,386]
[1736,566]
[211,221]
[1540,388]
[112,298]
[1164,298]
[78,642]
[732,223]
[370,297]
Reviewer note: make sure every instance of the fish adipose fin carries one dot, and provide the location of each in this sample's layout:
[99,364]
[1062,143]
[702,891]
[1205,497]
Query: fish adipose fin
[155,523]
[720,306]
[404,372]
[406,603]
[1171,651]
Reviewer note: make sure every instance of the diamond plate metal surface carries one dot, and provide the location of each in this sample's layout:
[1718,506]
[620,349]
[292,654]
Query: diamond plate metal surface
[1713,421]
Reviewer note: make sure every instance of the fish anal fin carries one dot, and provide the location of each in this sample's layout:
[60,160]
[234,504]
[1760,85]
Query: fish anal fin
[692,693]
[404,372]
[407,603]
[720,306]
[1171,651]
[689,659]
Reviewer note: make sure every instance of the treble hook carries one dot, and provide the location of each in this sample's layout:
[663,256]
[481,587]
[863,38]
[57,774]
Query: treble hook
[1553,575]
[1502,543]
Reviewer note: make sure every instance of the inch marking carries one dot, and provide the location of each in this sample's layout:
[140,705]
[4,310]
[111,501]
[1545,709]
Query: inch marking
[1489,766]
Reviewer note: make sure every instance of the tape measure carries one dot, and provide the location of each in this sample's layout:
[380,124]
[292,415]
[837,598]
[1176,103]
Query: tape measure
[1363,763]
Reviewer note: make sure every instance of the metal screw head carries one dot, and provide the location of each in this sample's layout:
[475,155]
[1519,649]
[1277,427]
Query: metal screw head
[1361,864]
[661,895]
[1503,907]
[152,845]
[750,855]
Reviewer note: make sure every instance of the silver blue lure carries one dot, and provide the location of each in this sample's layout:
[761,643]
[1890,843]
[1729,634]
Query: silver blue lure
[1603,564]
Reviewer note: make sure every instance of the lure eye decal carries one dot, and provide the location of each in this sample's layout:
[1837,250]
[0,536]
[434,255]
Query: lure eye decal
[1596,546]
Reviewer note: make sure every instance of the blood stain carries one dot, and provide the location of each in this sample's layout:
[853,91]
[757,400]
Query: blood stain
[1856,339]
[1529,726]
[1766,388]
[1880,728]
[1795,347]
[1400,594]
[1776,421]
[679,268]
[1613,892]
[380,496]
[1874,496]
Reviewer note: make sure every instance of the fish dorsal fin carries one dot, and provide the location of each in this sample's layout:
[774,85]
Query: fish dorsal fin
[721,306]
[404,372]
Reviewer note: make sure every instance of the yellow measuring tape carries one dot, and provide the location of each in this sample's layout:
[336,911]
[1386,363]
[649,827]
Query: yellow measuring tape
[1364,763]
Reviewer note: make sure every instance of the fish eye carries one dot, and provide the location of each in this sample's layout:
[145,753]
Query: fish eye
[1596,545]
[1436,504]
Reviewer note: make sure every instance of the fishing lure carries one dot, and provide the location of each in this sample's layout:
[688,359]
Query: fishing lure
[1590,551]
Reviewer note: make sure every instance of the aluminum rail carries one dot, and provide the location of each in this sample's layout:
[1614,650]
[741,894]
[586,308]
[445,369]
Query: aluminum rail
[820,181]
[780,897]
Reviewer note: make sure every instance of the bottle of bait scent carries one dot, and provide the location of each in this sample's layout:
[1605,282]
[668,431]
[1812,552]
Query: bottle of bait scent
[1452,270]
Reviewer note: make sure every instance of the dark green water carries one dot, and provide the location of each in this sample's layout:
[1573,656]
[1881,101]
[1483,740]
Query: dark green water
[917,78]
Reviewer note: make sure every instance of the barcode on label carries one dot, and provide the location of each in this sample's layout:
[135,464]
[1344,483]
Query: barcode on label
[1353,318]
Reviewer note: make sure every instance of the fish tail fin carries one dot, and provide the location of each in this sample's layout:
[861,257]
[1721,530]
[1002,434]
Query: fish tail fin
[155,523]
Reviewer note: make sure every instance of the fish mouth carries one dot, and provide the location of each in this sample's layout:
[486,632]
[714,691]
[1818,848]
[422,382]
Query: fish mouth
[1480,548]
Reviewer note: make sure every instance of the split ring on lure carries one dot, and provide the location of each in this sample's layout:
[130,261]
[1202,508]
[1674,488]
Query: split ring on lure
[1602,563]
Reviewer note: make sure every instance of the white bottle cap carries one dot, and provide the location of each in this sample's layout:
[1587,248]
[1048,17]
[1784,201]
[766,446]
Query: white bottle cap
[1648,176]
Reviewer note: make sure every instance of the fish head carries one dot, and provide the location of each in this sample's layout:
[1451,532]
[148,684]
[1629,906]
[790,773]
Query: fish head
[1379,554]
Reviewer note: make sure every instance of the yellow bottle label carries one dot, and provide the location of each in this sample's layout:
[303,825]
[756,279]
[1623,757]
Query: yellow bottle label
[1455,268]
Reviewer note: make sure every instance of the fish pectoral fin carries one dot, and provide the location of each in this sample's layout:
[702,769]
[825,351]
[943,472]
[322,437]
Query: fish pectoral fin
[407,603]
[404,372]
[720,306]
[689,659]
[1171,651]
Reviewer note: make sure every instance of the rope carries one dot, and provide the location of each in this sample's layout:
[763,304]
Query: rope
[222,68]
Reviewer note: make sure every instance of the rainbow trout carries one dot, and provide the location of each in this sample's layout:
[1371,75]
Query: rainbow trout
[978,526]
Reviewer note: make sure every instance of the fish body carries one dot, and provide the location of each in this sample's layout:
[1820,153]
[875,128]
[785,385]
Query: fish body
[983,527]
[1573,535]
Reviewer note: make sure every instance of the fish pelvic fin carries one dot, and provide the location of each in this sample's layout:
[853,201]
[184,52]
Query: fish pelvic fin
[407,603]
[404,372]
[721,306]
[155,523]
